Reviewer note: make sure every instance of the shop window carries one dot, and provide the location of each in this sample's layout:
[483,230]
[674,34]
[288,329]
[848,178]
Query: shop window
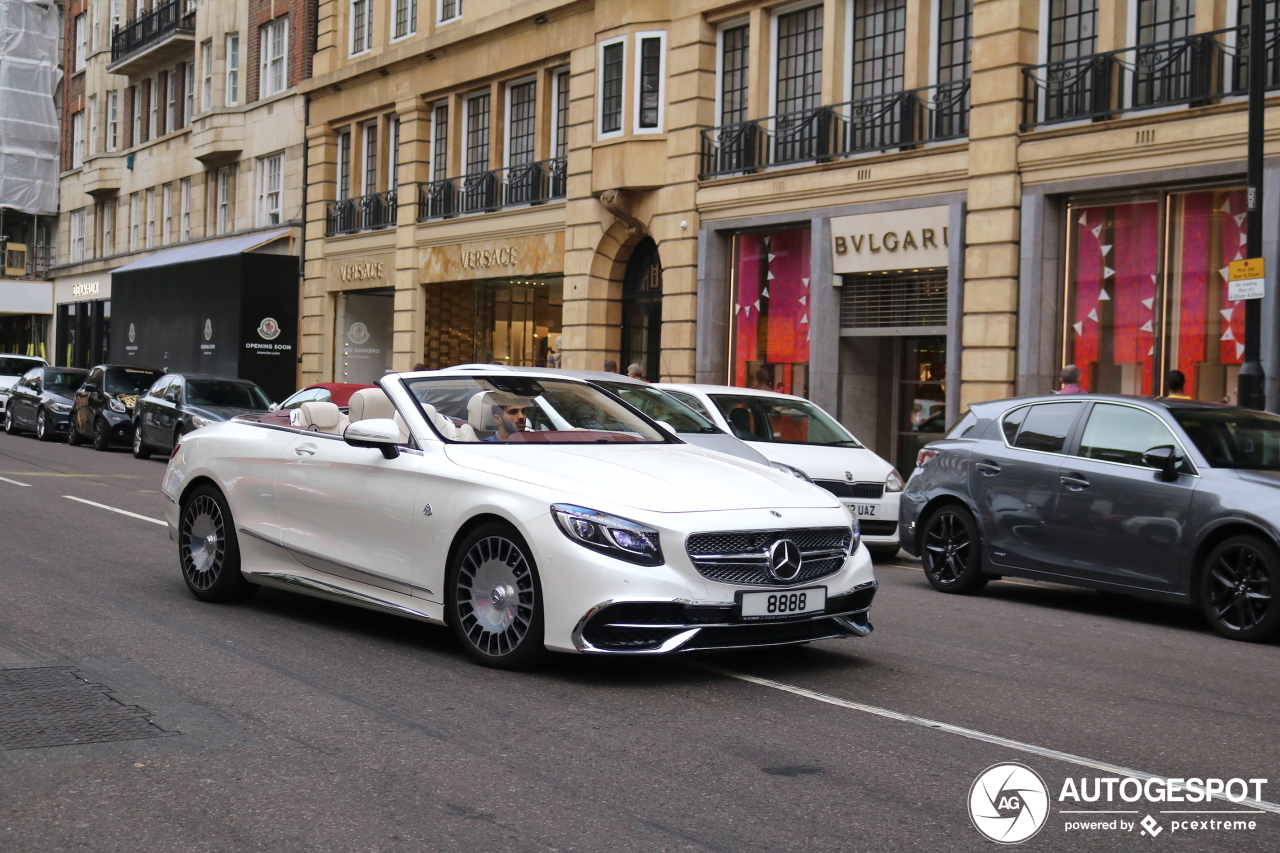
[364,332]
[642,311]
[735,63]
[83,333]
[517,322]
[1137,307]
[612,63]
[770,322]
[879,40]
[1073,29]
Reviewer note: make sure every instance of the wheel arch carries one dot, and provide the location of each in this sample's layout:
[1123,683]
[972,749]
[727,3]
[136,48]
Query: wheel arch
[196,483]
[464,530]
[1213,538]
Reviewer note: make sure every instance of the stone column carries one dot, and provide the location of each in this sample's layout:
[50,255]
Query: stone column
[317,306]
[415,166]
[1004,39]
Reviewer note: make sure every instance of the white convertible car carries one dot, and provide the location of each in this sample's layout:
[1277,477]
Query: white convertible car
[528,511]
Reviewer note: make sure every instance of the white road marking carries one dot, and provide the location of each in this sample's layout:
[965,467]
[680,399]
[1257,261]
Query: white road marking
[15,482]
[121,511]
[958,730]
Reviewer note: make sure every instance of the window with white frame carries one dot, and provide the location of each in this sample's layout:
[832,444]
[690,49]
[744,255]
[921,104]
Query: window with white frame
[651,62]
[135,215]
[184,225]
[361,26]
[393,153]
[107,226]
[274,36]
[94,19]
[206,75]
[270,186]
[77,139]
[113,120]
[560,127]
[82,50]
[450,10]
[404,21]
[93,125]
[371,158]
[522,98]
[171,101]
[613,59]
[166,227]
[116,18]
[150,238]
[440,142]
[954,39]
[156,98]
[231,95]
[223,214]
[137,114]
[77,235]
[344,164]
[189,91]
[877,48]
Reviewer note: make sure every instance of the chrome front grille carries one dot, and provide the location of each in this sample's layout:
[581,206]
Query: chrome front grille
[741,556]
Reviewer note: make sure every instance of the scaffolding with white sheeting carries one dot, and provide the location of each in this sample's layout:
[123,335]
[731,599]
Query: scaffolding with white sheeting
[29,135]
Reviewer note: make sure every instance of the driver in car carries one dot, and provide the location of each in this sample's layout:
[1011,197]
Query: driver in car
[510,420]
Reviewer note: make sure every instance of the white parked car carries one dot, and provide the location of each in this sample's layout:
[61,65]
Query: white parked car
[12,368]
[528,511]
[795,432]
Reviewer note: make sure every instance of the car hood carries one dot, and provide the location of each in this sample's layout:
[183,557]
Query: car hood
[219,413]
[828,463]
[725,444]
[657,478]
[57,398]
[1265,478]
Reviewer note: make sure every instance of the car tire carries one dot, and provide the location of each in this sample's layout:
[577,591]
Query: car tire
[45,430]
[208,549]
[1238,587]
[101,435]
[141,450]
[74,438]
[951,551]
[881,553]
[10,425]
[494,599]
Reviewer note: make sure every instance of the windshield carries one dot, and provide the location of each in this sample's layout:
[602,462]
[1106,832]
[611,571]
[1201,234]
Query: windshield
[215,392]
[129,381]
[779,419]
[520,410]
[64,382]
[661,406]
[1233,438]
[14,366]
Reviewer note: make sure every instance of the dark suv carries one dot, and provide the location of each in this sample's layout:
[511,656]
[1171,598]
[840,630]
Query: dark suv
[103,407]
[177,404]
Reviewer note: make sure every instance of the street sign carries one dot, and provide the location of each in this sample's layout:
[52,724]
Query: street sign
[1246,279]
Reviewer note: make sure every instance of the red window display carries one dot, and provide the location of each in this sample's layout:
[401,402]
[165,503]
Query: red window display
[1147,293]
[769,330]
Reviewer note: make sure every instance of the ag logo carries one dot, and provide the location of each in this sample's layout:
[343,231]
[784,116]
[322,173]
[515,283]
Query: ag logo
[358,333]
[208,329]
[133,333]
[268,329]
[1008,803]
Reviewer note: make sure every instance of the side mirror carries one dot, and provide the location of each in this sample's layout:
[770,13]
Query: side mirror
[668,427]
[1164,459]
[89,388]
[379,433]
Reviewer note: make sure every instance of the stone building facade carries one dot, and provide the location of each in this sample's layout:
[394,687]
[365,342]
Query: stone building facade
[894,208]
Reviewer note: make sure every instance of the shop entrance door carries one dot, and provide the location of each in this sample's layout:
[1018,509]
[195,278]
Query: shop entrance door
[922,397]
[642,311]
[363,348]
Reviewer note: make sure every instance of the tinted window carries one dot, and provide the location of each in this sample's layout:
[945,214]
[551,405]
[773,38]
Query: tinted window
[692,402]
[755,418]
[1234,438]
[158,389]
[660,406]
[960,430]
[63,382]
[1046,427]
[13,366]
[1012,421]
[1122,434]
[130,381]
[214,392]
[95,376]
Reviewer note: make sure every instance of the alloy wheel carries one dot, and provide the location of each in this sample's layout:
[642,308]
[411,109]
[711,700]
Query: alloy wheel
[948,544]
[202,539]
[42,427]
[101,441]
[496,596]
[1239,588]
[10,426]
[140,448]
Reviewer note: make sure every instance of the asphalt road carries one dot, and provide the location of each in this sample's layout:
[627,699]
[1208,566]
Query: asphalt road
[293,724]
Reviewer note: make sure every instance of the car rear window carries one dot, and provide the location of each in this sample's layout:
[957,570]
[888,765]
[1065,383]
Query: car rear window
[1046,426]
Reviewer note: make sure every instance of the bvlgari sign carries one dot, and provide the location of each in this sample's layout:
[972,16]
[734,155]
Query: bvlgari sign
[900,239]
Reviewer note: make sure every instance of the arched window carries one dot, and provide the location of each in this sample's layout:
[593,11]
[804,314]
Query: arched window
[642,310]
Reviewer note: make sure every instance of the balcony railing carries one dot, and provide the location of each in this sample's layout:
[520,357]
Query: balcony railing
[532,183]
[898,120]
[158,24]
[1193,70]
[362,213]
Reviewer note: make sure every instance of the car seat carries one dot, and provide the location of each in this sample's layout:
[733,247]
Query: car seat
[318,416]
[369,403]
[740,422]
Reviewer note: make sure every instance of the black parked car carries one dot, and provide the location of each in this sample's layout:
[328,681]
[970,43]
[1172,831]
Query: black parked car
[1170,499]
[177,404]
[41,401]
[103,407]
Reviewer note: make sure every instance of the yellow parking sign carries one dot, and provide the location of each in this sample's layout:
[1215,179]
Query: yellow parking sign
[1246,279]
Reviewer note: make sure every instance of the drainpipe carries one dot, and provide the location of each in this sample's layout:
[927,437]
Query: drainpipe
[302,250]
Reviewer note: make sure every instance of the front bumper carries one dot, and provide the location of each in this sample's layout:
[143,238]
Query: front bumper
[120,426]
[635,627]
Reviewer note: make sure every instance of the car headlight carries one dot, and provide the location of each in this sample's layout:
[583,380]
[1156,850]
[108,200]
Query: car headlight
[60,407]
[853,523]
[116,405]
[794,472]
[893,483]
[609,534]
[198,421]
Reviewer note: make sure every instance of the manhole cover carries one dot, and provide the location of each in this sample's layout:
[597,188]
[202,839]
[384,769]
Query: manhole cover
[54,706]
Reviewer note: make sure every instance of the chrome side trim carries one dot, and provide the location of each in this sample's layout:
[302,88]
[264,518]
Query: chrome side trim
[246,531]
[331,567]
[325,590]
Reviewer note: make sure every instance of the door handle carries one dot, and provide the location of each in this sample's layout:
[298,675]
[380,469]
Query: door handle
[305,450]
[1074,482]
[990,469]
